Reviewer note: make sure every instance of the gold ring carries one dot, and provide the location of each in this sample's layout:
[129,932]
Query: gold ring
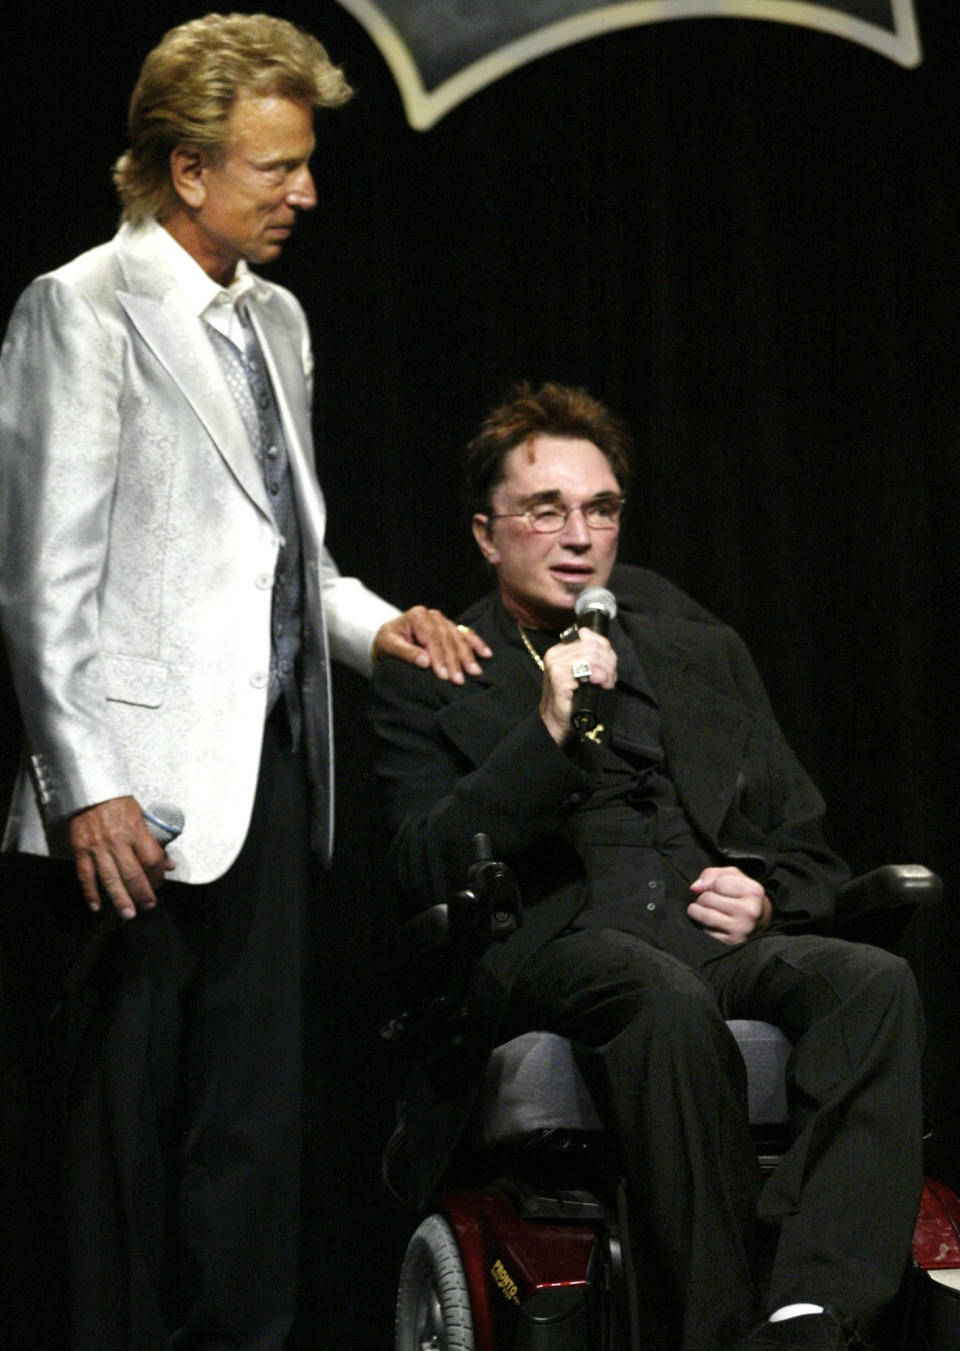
[581,671]
[462,628]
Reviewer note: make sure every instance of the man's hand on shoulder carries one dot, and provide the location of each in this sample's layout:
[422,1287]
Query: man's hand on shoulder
[428,638]
[729,905]
[116,854]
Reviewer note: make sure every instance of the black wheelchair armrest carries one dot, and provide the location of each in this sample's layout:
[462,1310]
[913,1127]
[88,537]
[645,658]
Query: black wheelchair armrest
[876,907]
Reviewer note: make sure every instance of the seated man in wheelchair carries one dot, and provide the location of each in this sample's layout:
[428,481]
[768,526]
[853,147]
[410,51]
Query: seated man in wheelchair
[669,851]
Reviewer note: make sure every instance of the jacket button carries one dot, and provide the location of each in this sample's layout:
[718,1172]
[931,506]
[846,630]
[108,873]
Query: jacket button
[264,581]
[259,679]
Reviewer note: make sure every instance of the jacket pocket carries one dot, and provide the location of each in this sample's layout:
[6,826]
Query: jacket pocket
[135,680]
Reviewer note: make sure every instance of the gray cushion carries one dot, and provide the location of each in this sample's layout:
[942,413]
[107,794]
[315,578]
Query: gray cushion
[765,1050]
[533,1084]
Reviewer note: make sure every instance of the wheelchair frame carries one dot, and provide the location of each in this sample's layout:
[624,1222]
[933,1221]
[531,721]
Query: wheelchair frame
[533,1252]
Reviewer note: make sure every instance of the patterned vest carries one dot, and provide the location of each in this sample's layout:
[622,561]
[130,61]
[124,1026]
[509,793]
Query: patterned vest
[249,382]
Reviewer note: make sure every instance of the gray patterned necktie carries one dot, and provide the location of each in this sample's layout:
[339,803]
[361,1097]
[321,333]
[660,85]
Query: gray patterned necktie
[248,380]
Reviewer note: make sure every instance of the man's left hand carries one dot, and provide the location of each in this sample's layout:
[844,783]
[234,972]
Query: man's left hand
[730,906]
[428,638]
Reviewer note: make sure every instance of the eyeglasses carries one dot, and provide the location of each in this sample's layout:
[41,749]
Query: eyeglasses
[603,513]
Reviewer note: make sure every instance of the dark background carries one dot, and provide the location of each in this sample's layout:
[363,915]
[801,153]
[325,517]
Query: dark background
[744,237]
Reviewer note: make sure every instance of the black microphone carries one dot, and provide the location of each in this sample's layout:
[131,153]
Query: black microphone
[164,823]
[594,609]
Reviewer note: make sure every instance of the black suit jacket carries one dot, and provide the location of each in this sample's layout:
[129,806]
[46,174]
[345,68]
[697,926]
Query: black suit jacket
[454,760]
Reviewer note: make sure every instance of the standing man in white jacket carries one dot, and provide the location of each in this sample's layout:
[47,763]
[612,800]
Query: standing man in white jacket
[170,611]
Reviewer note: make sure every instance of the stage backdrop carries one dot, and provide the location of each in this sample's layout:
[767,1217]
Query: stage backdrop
[441,52]
[743,234]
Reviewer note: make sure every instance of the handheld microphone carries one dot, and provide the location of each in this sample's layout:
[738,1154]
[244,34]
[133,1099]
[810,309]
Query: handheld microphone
[164,823]
[594,609]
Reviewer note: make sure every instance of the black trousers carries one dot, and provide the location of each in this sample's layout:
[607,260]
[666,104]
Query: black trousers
[184,1103]
[716,1246]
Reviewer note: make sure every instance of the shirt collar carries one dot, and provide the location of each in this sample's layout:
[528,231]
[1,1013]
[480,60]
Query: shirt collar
[206,298]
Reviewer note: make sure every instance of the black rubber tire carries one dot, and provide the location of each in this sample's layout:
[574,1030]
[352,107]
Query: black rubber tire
[433,1304]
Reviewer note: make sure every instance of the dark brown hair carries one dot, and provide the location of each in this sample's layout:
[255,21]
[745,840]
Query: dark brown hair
[551,410]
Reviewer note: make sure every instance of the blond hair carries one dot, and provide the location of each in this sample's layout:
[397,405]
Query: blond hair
[191,80]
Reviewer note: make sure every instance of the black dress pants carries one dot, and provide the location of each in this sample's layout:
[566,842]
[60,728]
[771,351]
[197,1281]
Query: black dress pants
[184,1103]
[838,1213]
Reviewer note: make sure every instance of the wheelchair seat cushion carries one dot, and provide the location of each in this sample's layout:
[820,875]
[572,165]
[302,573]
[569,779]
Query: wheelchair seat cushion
[765,1051]
[532,1084]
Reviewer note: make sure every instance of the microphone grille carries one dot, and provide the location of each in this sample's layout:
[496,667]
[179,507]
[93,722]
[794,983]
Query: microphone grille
[163,821]
[596,598]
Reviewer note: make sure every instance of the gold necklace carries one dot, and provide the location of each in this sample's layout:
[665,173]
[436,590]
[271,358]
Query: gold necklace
[530,647]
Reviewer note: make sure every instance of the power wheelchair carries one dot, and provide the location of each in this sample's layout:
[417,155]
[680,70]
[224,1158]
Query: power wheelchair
[527,1245]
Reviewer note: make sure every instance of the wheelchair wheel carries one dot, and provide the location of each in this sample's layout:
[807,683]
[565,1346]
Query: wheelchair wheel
[433,1304]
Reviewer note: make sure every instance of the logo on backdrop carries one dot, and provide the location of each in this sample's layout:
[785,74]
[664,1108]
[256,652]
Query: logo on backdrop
[442,51]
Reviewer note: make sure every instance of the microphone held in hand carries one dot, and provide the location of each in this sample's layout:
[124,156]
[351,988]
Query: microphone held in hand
[594,609]
[164,823]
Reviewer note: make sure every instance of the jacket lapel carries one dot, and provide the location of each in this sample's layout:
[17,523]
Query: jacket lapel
[156,308]
[704,732]
[280,352]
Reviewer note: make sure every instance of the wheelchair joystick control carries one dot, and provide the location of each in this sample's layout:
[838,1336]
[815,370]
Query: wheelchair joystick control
[493,887]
